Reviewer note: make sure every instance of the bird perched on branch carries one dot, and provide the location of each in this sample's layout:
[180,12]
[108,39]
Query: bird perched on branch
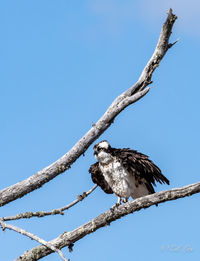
[124,172]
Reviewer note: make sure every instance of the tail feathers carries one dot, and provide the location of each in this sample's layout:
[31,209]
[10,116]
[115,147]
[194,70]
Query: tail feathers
[143,190]
[161,179]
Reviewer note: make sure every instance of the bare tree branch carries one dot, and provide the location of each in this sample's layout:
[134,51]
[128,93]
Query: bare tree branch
[52,212]
[69,238]
[130,96]
[34,237]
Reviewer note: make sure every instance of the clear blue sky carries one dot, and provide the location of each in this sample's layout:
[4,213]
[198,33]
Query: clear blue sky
[62,64]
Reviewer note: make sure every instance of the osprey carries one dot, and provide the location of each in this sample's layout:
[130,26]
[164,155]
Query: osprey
[124,172]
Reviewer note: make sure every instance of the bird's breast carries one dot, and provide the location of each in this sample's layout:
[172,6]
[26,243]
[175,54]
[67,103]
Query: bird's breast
[117,177]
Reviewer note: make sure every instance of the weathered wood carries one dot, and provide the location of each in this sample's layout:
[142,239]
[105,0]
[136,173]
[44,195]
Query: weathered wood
[69,238]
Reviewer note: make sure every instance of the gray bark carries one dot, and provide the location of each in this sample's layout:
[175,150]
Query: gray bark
[68,238]
[136,92]
[33,237]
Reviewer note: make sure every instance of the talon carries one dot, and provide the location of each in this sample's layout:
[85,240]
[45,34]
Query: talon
[125,200]
[115,206]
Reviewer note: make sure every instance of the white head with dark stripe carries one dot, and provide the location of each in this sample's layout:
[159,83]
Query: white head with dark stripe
[102,152]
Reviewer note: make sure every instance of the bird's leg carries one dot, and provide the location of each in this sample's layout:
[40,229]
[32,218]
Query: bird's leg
[119,202]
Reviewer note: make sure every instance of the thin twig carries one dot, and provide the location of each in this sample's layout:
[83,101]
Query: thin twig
[32,236]
[52,212]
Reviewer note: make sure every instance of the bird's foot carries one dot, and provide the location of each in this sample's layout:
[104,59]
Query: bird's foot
[115,206]
[124,200]
[119,202]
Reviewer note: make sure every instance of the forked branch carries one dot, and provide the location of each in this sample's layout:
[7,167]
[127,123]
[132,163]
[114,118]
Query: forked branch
[69,238]
[33,237]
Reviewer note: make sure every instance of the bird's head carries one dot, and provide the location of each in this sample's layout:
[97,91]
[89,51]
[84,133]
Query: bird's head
[101,149]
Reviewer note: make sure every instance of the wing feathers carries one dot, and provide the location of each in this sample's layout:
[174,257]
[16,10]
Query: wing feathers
[98,178]
[141,166]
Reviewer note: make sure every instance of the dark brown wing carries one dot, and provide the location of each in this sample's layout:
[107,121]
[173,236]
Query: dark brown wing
[141,166]
[98,178]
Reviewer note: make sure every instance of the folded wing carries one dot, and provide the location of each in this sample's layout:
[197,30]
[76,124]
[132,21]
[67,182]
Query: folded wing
[98,178]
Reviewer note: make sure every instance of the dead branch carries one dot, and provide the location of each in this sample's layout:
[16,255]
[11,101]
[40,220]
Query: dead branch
[69,238]
[52,212]
[34,237]
[136,92]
